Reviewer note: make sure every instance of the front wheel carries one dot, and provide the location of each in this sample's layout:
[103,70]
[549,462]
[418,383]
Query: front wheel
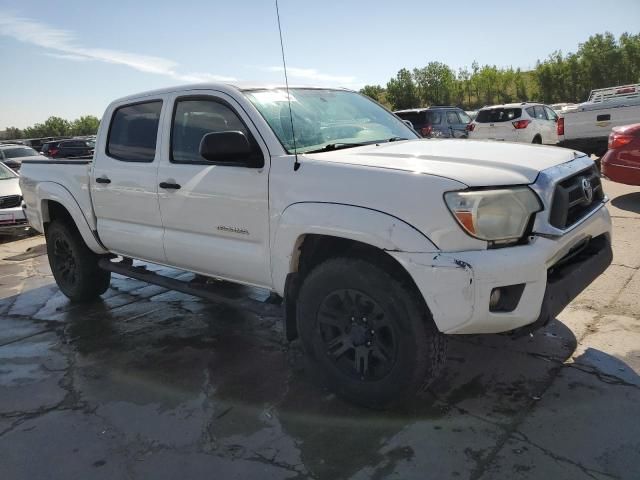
[74,267]
[368,335]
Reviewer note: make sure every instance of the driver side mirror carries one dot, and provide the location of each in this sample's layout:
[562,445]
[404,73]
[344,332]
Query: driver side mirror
[230,148]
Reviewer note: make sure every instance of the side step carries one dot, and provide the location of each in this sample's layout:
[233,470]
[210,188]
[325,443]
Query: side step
[208,292]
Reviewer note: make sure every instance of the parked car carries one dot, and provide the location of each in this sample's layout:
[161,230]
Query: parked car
[446,122]
[621,163]
[378,242]
[13,155]
[68,148]
[12,217]
[516,122]
[561,108]
[587,127]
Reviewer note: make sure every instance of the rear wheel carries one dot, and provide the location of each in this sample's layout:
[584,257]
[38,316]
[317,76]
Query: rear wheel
[74,266]
[368,335]
[537,140]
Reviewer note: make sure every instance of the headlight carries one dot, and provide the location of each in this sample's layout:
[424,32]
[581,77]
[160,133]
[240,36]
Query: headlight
[494,215]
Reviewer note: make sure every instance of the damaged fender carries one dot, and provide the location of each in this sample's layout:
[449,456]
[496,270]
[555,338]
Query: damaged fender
[446,283]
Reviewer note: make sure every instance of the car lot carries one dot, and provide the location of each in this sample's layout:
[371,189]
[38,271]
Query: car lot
[155,384]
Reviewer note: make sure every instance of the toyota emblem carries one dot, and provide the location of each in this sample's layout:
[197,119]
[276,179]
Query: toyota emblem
[587,190]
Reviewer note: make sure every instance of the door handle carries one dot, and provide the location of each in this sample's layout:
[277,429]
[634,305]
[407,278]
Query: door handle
[102,180]
[169,186]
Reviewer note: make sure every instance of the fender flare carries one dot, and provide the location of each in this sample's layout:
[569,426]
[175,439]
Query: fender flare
[360,224]
[50,191]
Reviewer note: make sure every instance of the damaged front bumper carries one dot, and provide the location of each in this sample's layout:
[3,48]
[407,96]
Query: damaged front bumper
[457,286]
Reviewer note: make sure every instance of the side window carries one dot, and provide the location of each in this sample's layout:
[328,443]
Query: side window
[192,120]
[133,132]
[464,118]
[531,112]
[452,118]
[551,115]
[540,115]
[435,118]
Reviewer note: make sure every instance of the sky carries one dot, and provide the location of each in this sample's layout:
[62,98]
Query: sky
[70,58]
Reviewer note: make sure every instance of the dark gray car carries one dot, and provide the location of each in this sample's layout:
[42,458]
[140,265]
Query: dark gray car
[440,121]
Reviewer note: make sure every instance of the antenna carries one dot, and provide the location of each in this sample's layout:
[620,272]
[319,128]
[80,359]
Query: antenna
[296,163]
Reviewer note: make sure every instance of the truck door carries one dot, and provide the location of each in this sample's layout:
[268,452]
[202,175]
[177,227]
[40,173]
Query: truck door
[215,214]
[124,184]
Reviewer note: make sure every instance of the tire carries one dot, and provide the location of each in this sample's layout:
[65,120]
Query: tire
[74,266]
[368,335]
[537,140]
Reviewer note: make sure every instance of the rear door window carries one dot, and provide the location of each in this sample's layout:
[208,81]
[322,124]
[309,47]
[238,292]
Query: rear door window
[496,115]
[133,132]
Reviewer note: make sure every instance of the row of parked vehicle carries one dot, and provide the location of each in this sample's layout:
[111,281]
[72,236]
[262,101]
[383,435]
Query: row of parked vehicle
[584,127]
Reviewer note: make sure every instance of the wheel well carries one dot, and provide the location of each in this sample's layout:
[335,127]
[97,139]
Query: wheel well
[53,210]
[314,249]
[537,136]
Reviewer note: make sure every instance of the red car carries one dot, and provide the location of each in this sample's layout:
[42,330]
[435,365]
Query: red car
[621,163]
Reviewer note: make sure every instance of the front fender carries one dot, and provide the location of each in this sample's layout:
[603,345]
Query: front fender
[38,214]
[364,225]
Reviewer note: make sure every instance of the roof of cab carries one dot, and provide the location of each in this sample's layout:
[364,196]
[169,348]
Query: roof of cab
[229,88]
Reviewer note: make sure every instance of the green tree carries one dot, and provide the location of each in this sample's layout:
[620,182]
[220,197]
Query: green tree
[13,133]
[401,91]
[87,125]
[435,83]
[372,91]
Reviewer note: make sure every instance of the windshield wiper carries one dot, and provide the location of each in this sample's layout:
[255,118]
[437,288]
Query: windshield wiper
[337,146]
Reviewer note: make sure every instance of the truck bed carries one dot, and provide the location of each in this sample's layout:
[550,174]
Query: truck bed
[70,175]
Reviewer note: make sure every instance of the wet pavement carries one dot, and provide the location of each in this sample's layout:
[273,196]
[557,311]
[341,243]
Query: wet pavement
[149,383]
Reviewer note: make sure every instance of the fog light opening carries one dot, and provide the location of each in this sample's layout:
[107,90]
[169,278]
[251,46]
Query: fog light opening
[494,298]
[505,298]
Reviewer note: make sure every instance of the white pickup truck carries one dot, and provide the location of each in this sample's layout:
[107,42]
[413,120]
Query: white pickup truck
[586,127]
[380,242]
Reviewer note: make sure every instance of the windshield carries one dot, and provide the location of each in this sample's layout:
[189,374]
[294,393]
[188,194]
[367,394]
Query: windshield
[6,173]
[324,117]
[19,152]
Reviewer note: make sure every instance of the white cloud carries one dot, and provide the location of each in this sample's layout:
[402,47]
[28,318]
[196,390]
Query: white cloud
[314,75]
[64,45]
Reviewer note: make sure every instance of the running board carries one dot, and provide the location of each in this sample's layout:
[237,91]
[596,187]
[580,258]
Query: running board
[205,291]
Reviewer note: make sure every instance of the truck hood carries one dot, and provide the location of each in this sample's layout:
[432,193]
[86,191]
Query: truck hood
[475,163]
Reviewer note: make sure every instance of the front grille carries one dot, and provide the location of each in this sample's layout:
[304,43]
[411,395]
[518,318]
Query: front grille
[10,201]
[571,202]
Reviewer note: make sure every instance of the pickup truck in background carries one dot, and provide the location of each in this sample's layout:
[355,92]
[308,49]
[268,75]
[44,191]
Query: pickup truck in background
[586,127]
[379,243]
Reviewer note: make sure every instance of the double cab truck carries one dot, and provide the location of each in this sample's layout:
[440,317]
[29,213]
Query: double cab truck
[379,244]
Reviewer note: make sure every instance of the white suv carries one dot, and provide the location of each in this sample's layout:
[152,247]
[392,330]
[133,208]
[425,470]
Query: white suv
[516,122]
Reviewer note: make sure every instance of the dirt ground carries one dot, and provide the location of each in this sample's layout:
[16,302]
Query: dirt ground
[152,384]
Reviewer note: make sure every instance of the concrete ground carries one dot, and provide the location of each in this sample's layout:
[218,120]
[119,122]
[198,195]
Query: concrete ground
[154,384]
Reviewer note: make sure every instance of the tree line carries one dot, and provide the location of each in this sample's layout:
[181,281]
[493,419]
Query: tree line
[55,127]
[601,61]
